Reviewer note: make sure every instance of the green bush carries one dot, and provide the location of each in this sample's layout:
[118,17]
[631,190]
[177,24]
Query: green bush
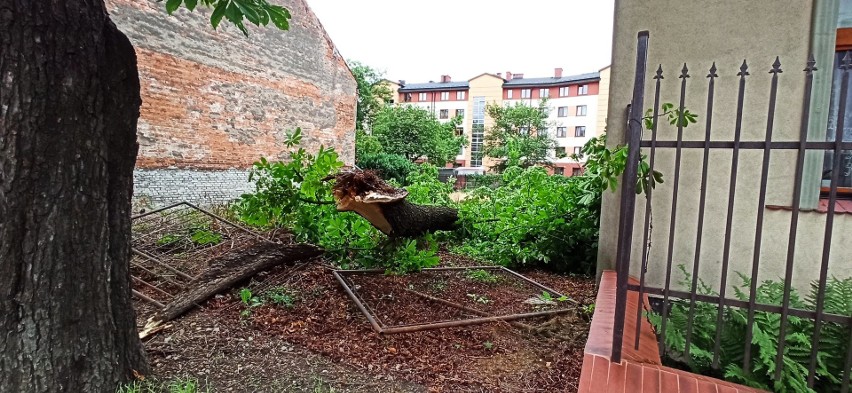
[388,166]
[532,219]
[293,194]
[834,339]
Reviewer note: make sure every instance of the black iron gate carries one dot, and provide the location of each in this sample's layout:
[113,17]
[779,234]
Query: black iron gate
[637,141]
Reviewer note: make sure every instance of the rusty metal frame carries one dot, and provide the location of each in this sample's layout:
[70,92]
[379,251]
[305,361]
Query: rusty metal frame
[174,276]
[380,328]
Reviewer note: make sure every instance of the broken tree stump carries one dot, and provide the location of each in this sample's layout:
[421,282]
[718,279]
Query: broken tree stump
[385,207]
[226,271]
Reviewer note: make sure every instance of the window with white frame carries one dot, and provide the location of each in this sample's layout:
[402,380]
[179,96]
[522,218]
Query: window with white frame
[460,95]
[562,111]
[459,112]
[526,93]
[561,132]
[560,152]
[544,93]
[581,110]
[509,93]
[445,96]
[444,113]
[580,131]
[578,150]
[563,91]
[421,97]
[583,90]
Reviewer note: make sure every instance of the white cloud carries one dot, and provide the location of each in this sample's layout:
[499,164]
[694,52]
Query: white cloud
[420,40]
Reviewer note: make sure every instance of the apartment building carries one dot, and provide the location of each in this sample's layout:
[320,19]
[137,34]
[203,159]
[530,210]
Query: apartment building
[574,103]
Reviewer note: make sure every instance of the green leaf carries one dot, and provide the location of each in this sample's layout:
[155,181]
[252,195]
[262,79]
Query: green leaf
[248,11]
[279,16]
[190,4]
[218,13]
[172,5]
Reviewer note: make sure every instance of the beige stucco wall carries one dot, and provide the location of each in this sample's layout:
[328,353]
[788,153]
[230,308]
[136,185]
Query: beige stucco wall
[490,87]
[700,33]
[603,99]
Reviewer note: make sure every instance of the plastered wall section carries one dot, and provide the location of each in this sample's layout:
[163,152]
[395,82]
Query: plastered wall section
[700,33]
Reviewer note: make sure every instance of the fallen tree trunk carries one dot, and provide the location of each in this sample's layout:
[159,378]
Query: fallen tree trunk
[386,208]
[227,270]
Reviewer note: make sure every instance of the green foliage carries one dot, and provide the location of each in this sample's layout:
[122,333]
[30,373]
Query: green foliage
[674,116]
[483,276]
[293,194]
[532,219]
[482,299]
[519,136]
[488,345]
[424,188]
[178,385]
[366,145]
[205,237]
[388,166]
[258,12]
[414,132]
[372,94]
[765,337]
[547,297]
[283,296]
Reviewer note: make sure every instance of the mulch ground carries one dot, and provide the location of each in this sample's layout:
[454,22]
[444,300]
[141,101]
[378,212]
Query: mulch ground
[317,340]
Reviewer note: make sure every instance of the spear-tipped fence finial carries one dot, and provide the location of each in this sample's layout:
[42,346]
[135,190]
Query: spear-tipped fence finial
[743,70]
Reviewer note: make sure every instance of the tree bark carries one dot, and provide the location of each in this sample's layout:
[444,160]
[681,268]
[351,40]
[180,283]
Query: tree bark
[69,102]
[228,270]
[409,220]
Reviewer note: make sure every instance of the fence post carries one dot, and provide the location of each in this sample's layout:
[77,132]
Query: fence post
[628,196]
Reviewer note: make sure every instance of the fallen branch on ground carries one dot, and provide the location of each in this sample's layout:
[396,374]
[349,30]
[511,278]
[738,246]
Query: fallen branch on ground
[226,271]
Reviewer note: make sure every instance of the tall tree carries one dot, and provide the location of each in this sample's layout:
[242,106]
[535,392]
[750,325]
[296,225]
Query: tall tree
[69,104]
[519,136]
[415,133]
[372,94]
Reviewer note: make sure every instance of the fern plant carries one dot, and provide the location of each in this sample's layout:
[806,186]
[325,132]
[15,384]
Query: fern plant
[834,339]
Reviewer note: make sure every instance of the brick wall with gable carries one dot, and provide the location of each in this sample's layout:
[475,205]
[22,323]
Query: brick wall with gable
[214,101]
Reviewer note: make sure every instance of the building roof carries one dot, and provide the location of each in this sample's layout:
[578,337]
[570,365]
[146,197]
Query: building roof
[552,81]
[409,87]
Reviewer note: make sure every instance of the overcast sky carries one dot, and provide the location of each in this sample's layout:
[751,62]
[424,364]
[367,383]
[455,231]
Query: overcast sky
[419,41]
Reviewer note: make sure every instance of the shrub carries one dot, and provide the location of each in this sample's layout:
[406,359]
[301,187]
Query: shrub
[834,340]
[532,219]
[388,166]
[293,194]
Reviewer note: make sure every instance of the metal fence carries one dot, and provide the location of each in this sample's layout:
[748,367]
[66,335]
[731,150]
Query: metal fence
[767,146]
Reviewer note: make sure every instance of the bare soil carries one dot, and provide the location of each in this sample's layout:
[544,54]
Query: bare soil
[316,340]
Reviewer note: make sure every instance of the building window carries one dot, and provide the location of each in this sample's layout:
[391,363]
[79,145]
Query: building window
[560,152]
[477,133]
[562,111]
[576,172]
[459,112]
[583,90]
[844,184]
[561,132]
[421,97]
[445,96]
[581,110]
[509,93]
[526,93]
[580,131]
[524,130]
[578,151]
[459,130]
[559,171]
[444,114]
[544,93]
[563,91]
[460,95]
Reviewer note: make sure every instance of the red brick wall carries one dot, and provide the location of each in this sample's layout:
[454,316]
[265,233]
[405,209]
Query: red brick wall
[217,99]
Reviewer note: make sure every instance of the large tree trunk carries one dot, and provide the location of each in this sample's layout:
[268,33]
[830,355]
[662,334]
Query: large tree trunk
[69,101]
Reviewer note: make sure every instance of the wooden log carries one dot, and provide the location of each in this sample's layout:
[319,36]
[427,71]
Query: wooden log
[228,270]
[386,208]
